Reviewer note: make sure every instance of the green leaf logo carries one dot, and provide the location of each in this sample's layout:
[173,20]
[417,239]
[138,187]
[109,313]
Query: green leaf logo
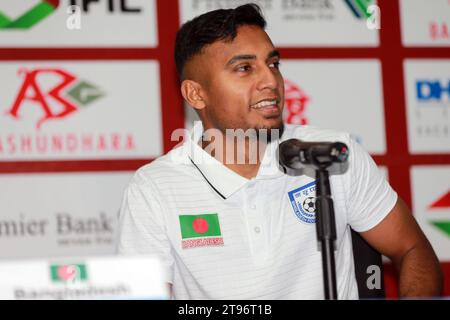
[31,17]
[84,93]
[359,8]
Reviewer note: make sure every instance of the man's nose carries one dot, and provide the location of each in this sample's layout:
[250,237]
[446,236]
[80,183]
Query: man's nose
[267,79]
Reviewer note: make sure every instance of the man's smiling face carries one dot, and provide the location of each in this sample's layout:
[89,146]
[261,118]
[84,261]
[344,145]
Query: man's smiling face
[241,84]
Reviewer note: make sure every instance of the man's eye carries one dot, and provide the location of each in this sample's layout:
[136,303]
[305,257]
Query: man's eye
[275,65]
[244,68]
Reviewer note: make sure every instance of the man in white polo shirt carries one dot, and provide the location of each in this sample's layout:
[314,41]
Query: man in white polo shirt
[232,227]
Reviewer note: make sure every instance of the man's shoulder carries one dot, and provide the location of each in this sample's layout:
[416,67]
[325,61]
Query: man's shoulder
[313,133]
[172,164]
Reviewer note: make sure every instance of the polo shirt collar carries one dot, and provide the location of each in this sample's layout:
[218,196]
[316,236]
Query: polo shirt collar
[222,179]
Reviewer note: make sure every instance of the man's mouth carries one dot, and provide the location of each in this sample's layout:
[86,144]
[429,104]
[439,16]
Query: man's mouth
[266,104]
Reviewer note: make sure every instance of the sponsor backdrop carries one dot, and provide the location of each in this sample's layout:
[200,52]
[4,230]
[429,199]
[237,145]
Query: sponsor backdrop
[88,93]
[56,214]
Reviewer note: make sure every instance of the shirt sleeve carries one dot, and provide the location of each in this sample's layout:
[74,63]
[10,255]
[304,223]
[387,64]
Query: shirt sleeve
[141,227]
[371,198]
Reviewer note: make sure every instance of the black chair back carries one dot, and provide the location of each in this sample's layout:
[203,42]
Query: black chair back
[370,279]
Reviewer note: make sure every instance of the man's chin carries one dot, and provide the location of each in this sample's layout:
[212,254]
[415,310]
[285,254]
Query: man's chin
[270,133]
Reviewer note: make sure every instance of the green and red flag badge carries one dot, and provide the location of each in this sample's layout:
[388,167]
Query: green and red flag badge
[68,273]
[443,203]
[200,230]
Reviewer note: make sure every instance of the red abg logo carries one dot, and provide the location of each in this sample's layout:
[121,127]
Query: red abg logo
[49,96]
[57,101]
[296,101]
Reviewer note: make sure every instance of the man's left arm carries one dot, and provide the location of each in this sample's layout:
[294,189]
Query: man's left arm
[399,237]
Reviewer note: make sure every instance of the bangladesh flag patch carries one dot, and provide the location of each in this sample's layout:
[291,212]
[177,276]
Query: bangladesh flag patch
[200,230]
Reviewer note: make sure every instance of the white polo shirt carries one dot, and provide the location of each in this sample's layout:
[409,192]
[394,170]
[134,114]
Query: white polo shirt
[222,236]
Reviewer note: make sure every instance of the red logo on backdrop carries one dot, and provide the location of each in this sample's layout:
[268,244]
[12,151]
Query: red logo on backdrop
[442,224]
[439,31]
[296,101]
[53,101]
[31,91]
[442,202]
[56,94]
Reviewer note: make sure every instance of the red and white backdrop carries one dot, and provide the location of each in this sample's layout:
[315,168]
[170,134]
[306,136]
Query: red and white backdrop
[88,94]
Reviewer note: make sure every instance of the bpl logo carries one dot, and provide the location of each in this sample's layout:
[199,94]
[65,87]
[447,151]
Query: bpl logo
[431,90]
[54,105]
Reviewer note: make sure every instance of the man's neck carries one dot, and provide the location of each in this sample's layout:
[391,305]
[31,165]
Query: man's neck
[243,158]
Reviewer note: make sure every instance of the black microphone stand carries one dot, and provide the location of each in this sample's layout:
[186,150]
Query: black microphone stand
[320,157]
[326,229]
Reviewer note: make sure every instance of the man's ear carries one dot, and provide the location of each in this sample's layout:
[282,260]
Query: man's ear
[193,94]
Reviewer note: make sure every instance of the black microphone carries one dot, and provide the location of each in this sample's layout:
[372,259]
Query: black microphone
[296,154]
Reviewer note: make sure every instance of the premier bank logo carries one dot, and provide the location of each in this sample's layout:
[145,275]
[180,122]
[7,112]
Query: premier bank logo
[62,224]
[307,10]
[64,96]
[23,227]
[29,18]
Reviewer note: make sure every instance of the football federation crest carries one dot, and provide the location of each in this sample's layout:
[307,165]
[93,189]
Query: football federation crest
[303,201]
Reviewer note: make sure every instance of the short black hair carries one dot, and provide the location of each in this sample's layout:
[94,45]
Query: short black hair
[212,26]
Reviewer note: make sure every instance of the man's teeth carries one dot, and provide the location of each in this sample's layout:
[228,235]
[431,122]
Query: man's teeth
[264,104]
